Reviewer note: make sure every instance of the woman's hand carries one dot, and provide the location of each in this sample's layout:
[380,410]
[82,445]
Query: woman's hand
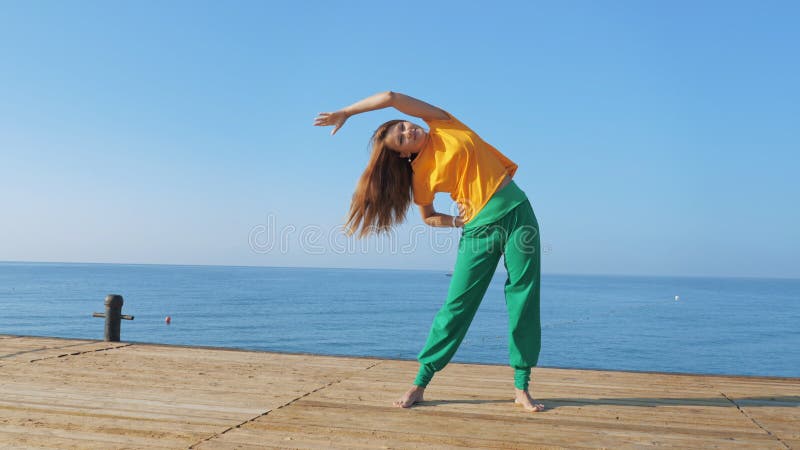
[462,213]
[334,119]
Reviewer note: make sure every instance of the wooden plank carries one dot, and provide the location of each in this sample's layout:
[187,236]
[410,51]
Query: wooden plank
[77,394]
[307,436]
[389,427]
[74,439]
[20,349]
[359,406]
[495,396]
[140,396]
[783,422]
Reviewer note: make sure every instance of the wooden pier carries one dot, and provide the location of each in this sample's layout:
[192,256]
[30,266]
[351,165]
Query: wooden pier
[58,393]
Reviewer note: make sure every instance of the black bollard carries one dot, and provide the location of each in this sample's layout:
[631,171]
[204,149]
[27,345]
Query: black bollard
[113,315]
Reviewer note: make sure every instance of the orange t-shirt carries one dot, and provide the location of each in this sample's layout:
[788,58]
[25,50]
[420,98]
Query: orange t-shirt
[458,161]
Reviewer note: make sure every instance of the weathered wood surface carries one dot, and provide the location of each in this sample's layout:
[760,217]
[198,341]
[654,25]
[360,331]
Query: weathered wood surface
[57,393]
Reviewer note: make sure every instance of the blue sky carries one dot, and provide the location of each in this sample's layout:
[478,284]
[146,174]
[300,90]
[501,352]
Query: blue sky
[654,138]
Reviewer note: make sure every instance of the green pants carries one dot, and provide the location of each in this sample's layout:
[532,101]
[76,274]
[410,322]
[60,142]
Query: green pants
[505,226]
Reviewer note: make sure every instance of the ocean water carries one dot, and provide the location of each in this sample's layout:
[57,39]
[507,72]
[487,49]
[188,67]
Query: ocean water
[718,325]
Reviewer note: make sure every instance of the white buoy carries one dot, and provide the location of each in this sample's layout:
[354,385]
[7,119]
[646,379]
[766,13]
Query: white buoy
[677,297]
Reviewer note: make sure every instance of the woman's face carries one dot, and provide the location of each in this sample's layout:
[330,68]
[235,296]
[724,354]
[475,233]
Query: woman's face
[406,138]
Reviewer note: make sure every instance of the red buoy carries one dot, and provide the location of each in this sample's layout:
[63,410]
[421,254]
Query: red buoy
[168,320]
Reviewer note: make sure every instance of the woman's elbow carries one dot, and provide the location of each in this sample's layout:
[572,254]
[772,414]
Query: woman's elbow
[426,212]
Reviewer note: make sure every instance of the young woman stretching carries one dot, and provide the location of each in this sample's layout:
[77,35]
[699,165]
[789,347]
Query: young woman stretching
[496,217]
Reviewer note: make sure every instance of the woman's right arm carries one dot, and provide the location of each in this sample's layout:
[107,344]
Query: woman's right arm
[401,102]
[437,219]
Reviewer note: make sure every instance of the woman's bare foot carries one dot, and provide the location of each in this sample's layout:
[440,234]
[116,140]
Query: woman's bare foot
[413,395]
[524,398]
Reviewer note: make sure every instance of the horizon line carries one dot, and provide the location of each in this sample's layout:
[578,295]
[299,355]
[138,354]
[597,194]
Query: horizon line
[393,269]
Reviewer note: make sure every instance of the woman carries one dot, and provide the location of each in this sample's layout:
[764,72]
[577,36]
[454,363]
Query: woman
[495,214]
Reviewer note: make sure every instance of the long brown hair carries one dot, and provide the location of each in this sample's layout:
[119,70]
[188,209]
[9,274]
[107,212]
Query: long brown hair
[383,192]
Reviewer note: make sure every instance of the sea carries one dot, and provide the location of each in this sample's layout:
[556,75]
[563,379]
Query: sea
[734,326]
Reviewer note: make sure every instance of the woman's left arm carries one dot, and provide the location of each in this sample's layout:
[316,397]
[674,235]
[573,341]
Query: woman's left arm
[401,102]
